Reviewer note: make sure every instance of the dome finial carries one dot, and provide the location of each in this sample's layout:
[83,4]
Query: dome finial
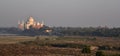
[31,19]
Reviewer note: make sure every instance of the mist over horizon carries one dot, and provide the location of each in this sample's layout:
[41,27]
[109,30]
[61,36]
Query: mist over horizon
[65,13]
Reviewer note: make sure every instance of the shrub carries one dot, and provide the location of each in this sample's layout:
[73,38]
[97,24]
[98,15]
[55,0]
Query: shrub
[86,49]
[99,53]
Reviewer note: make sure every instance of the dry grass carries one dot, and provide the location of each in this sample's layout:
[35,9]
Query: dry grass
[14,39]
[11,45]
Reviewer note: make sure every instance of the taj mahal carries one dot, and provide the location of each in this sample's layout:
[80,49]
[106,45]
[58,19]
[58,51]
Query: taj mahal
[30,23]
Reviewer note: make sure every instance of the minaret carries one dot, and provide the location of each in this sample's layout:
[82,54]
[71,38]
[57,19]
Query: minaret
[18,22]
[42,24]
[20,25]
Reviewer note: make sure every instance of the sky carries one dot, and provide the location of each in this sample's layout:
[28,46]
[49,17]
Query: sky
[66,13]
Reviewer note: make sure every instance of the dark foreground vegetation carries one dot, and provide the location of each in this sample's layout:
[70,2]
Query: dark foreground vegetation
[89,31]
[62,46]
[66,31]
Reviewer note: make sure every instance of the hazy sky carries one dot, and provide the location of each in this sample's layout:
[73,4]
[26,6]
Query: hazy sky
[75,13]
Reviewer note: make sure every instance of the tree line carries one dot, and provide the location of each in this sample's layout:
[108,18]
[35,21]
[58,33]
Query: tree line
[89,31]
[68,31]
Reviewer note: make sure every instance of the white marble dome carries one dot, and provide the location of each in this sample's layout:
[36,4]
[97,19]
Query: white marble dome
[31,19]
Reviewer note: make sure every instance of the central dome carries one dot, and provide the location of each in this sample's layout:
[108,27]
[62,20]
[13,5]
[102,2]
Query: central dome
[31,19]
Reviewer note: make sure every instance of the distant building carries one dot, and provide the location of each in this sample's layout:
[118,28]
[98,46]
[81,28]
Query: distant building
[30,23]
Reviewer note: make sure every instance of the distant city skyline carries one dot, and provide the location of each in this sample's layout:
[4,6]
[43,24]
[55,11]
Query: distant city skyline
[66,13]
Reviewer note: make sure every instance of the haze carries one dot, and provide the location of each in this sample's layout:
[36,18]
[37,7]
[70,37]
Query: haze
[72,13]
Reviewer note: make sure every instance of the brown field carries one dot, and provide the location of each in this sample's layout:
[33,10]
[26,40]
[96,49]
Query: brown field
[42,45]
[14,39]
